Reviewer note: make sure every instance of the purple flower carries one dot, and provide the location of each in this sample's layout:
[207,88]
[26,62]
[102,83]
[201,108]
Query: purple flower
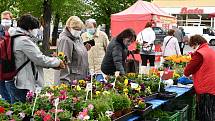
[142,87]
[30,96]
[74,82]
[9,113]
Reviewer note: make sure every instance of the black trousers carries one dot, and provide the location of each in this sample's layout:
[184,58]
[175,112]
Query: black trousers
[145,59]
[181,45]
[206,107]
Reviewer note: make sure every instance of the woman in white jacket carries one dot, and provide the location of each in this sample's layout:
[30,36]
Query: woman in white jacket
[170,45]
[146,38]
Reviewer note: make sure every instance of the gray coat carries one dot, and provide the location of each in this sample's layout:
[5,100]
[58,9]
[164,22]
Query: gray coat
[76,52]
[24,49]
[178,34]
[115,57]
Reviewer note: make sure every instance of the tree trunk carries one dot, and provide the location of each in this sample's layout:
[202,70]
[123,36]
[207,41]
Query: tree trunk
[47,20]
[55,29]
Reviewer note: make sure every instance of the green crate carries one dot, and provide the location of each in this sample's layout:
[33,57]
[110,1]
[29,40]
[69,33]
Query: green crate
[183,113]
[174,117]
[193,113]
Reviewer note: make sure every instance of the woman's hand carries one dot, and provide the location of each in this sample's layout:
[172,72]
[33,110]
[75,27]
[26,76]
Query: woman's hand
[61,66]
[88,46]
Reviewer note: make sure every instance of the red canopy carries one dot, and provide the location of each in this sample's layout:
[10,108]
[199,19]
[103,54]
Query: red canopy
[211,15]
[135,17]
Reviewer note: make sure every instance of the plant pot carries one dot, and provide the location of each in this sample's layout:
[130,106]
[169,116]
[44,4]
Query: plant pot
[125,111]
[116,114]
[28,118]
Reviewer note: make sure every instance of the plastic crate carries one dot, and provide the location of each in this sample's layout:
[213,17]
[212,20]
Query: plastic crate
[193,113]
[174,117]
[183,113]
[154,119]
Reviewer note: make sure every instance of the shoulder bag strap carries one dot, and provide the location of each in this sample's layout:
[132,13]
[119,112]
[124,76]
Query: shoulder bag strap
[166,45]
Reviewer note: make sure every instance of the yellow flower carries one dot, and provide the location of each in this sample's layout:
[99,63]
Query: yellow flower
[78,88]
[106,93]
[53,87]
[138,88]
[60,54]
[98,92]
[125,91]
[126,82]
[81,81]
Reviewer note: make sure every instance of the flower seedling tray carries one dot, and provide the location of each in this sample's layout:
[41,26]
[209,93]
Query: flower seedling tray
[135,112]
[166,95]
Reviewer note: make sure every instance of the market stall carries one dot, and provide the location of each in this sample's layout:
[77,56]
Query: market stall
[138,15]
[117,98]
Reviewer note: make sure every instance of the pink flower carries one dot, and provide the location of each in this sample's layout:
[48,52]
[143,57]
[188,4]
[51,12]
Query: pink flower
[12,120]
[9,113]
[58,111]
[47,117]
[63,92]
[85,112]
[90,107]
[63,97]
[30,96]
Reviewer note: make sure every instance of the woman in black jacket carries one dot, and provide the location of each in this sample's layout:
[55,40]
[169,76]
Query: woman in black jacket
[117,51]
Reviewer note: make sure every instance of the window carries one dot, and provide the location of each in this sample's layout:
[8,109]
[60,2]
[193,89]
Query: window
[157,30]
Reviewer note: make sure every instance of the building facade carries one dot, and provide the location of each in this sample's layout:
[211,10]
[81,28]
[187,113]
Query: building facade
[190,12]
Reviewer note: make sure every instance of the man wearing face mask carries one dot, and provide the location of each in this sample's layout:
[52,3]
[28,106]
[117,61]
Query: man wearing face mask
[6,21]
[97,52]
[202,69]
[71,44]
[117,52]
[24,49]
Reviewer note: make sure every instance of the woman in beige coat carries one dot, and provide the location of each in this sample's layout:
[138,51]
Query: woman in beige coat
[97,52]
[72,45]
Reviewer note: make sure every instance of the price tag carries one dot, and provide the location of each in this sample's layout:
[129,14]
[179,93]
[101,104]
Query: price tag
[89,87]
[56,102]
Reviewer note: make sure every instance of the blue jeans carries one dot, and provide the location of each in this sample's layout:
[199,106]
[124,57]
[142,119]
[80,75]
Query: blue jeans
[3,91]
[12,94]
[16,94]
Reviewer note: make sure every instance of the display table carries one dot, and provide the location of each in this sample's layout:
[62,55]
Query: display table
[157,102]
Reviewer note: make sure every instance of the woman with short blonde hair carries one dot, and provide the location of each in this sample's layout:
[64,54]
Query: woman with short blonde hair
[71,44]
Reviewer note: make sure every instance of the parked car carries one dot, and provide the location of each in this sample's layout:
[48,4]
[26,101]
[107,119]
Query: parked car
[206,32]
[160,34]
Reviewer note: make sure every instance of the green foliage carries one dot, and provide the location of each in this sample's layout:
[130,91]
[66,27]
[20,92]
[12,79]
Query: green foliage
[103,117]
[120,102]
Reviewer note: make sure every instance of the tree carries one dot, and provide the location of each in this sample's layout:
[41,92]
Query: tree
[49,9]
[64,11]
[102,9]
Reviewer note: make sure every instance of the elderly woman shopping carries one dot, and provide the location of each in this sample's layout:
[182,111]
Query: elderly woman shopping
[72,46]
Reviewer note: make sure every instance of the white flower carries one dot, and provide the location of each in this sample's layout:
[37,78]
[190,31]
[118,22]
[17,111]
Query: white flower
[109,113]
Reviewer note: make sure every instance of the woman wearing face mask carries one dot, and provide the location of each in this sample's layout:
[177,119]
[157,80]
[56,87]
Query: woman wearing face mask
[97,52]
[25,48]
[117,52]
[72,45]
[202,69]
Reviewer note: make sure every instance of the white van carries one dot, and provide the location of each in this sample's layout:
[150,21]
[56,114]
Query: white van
[206,32]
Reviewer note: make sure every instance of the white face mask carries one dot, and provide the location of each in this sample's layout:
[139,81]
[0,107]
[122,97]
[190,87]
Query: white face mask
[6,23]
[34,32]
[75,33]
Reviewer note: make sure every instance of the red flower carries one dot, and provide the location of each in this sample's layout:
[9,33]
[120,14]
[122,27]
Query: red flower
[47,117]
[2,110]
